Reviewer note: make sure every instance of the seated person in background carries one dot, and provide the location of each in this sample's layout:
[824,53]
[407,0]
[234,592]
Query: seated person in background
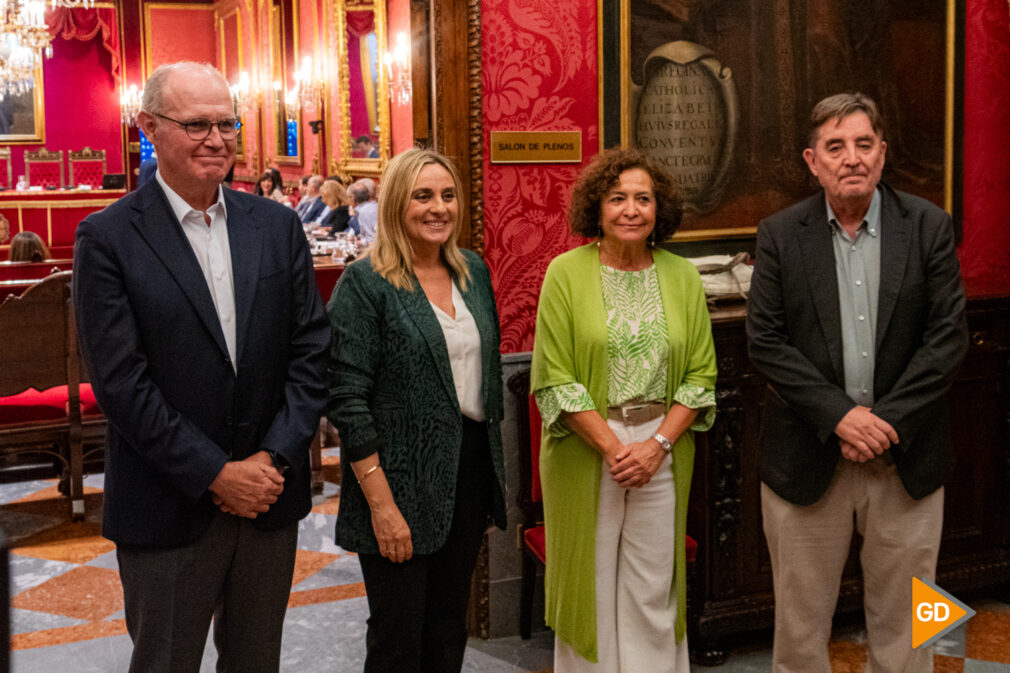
[363,147]
[365,218]
[303,182]
[28,247]
[310,209]
[269,188]
[335,197]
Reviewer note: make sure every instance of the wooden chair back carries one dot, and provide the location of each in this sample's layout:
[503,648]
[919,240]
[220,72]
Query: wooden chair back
[39,350]
[35,334]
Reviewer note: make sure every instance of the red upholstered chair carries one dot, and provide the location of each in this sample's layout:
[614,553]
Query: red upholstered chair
[530,500]
[40,383]
[44,168]
[87,167]
[5,167]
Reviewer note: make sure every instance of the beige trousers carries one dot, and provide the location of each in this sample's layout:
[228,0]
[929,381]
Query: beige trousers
[809,545]
[634,572]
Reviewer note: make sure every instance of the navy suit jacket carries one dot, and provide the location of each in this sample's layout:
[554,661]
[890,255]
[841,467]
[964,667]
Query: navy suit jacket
[795,339]
[313,212]
[155,351]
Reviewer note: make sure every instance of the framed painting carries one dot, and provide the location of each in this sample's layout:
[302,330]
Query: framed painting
[720,93]
[22,115]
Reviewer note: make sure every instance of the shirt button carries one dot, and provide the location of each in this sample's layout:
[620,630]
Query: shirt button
[873,231]
[858,283]
[865,354]
[853,248]
[862,317]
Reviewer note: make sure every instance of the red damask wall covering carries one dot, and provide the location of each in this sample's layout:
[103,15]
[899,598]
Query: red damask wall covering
[539,74]
[985,251]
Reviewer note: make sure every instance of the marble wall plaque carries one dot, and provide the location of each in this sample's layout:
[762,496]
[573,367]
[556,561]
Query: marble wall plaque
[686,117]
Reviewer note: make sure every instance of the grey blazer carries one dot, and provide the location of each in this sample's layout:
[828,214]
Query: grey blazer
[794,339]
[391,391]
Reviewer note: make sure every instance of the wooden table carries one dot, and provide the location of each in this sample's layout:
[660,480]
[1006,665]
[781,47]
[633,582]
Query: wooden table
[53,214]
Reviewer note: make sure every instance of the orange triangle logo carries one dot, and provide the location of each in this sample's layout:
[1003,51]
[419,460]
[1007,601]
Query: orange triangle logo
[934,613]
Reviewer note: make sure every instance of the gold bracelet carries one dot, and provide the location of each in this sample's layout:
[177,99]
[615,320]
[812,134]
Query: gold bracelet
[369,471]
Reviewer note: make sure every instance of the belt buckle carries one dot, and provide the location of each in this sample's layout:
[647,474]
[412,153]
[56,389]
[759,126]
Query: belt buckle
[632,413]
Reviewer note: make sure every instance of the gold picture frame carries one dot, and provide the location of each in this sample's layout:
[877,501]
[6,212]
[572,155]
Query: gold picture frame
[23,116]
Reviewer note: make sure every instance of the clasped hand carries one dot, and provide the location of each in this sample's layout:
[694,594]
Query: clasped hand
[247,487]
[863,435]
[634,464]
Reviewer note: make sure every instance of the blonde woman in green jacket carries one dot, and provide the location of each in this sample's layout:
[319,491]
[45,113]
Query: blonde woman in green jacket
[623,373]
[416,392]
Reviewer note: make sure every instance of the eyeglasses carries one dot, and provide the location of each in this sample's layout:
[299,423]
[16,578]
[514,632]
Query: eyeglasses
[199,129]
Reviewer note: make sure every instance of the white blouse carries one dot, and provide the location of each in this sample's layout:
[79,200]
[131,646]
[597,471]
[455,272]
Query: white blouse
[463,341]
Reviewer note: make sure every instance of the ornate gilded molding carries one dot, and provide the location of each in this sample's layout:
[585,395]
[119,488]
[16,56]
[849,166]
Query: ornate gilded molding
[475,126]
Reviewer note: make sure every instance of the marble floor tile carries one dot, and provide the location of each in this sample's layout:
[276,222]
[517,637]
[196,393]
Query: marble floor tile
[24,621]
[308,563]
[975,666]
[534,654]
[952,644]
[319,638]
[27,571]
[19,489]
[17,525]
[751,662]
[82,593]
[988,637]
[101,655]
[106,560]
[943,664]
[345,569]
[315,533]
[71,542]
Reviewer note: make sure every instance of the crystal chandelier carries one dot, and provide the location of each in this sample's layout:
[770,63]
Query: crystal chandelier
[24,38]
[245,97]
[307,87]
[73,4]
[129,105]
[398,70]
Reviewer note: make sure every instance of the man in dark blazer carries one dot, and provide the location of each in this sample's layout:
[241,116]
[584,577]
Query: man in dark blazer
[856,317]
[206,342]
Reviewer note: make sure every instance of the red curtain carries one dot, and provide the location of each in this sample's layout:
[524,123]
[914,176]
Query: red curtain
[86,24]
[360,24]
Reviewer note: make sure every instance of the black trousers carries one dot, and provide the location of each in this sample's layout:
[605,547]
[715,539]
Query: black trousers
[417,621]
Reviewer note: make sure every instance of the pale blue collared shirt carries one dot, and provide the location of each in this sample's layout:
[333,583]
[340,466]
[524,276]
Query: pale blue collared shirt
[857,266]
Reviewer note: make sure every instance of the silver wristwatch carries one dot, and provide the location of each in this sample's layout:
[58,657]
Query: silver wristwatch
[664,443]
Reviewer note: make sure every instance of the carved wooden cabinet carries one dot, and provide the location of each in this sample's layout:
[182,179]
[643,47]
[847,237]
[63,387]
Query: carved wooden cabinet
[732,591]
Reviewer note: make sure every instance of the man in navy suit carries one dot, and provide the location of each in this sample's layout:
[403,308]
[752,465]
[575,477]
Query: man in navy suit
[206,342]
[856,317]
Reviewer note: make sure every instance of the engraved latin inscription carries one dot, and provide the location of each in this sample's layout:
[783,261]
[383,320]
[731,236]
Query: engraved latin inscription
[681,122]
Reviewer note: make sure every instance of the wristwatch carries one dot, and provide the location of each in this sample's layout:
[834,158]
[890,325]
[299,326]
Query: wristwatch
[664,443]
[280,464]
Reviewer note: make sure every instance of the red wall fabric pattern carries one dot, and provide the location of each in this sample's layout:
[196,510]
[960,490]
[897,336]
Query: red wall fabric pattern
[181,33]
[539,74]
[985,250]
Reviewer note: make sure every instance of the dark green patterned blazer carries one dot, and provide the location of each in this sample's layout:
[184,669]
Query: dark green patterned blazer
[391,391]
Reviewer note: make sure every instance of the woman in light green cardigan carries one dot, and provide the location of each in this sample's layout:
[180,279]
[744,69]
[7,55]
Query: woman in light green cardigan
[623,373]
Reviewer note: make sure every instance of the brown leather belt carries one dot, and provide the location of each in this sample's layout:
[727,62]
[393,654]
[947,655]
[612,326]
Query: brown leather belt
[636,413]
